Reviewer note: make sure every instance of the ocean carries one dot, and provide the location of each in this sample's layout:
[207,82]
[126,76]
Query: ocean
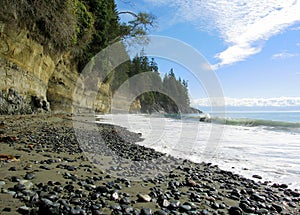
[246,143]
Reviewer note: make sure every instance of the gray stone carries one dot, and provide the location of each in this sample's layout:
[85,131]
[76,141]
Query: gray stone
[29,176]
[146,211]
[24,210]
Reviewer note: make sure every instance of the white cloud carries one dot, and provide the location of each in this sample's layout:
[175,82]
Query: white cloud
[296,28]
[244,25]
[284,55]
[252,102]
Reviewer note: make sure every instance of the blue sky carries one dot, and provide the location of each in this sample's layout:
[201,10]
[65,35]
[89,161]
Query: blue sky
[252,46]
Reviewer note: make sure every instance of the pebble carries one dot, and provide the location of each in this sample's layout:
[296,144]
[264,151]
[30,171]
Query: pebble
[102,189]
[235,211]
[292,204]
[205,212]
[71,168]
[245,207]
[115,196]
[204,188]
[185,208]
[45,167]
[19,187]
[165,203]
[257,176]
[191,183]
[13,168]
[277,207]
[144,197]
[174,204]
[146,211]
[160,212]
[125,200]
[24,210]
[6,209]
[116,207]
[29,176]
[257,197]
[262,211]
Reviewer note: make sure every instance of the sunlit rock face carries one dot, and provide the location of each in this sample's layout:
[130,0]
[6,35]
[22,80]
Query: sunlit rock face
[33,81]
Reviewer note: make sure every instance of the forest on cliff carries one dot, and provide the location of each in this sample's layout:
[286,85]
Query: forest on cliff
[83,28]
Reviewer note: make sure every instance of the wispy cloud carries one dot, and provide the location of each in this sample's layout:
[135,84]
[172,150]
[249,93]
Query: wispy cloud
[252,102]
[284,55]
[244,25]
[296,28]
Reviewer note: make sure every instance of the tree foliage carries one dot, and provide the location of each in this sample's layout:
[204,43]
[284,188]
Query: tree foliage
[175,97]
[82,27]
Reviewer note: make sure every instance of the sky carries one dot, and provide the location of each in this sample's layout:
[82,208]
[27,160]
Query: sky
[253,46]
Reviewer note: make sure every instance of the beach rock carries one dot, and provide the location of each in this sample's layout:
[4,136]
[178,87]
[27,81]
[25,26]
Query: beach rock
[164,203]
[236,193]
[191,183]
[45,167]
[235,211]
[13,168]
[24,210]
[205,212]
[245,207]
[115,196]
[6,209]
[185,208]
[193,206]
[116,207]
[257,176]
[71,168]
[257,197]
[102,189]
[277,207]
[127,209]
[174,205]
[292,204]
[262,211]
[215,205]
[160,212]
[29,176]
[23,185]
[125,200]
[284,186]
[146,211]
[144,198]
[76,211]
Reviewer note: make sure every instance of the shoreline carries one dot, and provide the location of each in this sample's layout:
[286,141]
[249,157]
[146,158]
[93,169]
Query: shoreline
[50,173]
[241,149]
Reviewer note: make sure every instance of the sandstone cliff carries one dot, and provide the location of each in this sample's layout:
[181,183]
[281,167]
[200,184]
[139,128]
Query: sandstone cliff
[31,80]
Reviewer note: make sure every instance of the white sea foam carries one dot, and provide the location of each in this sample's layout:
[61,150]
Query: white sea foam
[245,150]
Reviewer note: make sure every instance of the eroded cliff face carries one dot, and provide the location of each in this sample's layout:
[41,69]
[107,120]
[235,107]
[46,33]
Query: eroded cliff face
[33,81]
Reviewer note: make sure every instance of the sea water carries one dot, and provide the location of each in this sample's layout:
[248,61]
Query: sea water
[247,143]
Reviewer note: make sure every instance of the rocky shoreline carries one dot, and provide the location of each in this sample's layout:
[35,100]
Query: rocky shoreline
[44,171]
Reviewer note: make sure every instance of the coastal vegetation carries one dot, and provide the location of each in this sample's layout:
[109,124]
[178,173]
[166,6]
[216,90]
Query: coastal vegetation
[72,32]
[83,27]
[170,93]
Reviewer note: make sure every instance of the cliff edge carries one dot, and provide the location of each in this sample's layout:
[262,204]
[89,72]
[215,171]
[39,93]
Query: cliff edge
[32,80]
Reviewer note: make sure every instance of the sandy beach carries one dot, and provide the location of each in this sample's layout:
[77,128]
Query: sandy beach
[44,171]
